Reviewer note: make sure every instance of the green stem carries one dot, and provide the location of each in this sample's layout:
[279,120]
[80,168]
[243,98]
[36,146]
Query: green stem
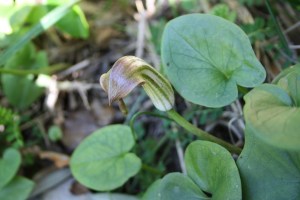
[151,169]
[160,143]
[45,70]
[200,133]
[135,107]
[123,107]
[242,90]
[136,115]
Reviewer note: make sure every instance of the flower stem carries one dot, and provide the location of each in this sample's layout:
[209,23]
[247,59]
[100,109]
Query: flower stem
[123,107]
[200,133]
[136,115]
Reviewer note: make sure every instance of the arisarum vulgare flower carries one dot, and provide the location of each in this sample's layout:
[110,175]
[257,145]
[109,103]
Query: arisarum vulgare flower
[129,72]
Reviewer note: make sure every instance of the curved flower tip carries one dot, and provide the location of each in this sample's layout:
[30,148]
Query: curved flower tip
[128,72]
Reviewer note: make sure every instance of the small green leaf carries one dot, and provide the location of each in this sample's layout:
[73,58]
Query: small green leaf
[258,30]
[26,16]
[18,189]
[37,13]
[102,161]
[178,186]
[55,133]
[222,10]
[47,21]
[274,112]
[9,165]
[268,172]
[213,169]
[22,91]
[74,23]
[206,57]
[18,19]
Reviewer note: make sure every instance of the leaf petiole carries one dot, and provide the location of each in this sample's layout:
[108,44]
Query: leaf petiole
[200,133]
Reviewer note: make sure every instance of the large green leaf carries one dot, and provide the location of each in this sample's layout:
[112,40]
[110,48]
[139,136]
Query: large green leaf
[18,189]
[268,172]
[22,91]
[210,169]
[206,57]
[213,169]
[74,23]
[102,161]
[153,192]
[9,165]
[174,186]
[274,112]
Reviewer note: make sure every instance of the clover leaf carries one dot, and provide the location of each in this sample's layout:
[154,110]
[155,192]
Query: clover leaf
[9,165]
[210,170]
[17,189]
[102,161]
[22,91]
[274,111]
[207,57]
[268,172]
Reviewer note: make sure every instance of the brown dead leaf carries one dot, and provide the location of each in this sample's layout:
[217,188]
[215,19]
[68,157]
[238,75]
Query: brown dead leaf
[103,35]
[77,188]
[31,150]
[77,125]
[104,114]
[60,160]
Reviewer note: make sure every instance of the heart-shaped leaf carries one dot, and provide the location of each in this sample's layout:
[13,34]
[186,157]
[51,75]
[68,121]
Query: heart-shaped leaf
[213,169]
[206,57]
[210,169]
[102,161]
[268,172]
[153,192]
[274,112]
[22,91]
[290,70]
[291,84]
[9,165]
[179,186]
[18,189]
